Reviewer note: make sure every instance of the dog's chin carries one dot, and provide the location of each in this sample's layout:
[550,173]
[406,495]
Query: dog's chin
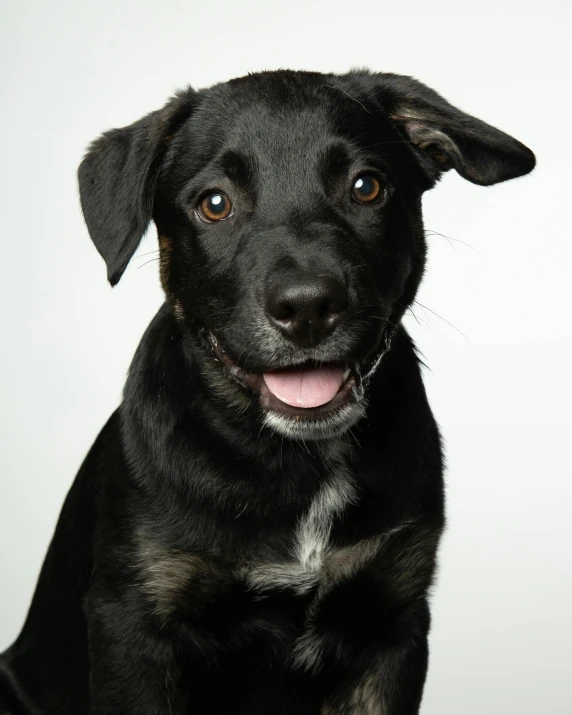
[318,427]
[323,421]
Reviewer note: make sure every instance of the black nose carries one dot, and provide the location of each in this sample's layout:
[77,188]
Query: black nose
[306,308]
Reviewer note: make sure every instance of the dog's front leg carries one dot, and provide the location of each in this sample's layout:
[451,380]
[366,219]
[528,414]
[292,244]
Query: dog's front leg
[370,629]
[133,668]
[387,679]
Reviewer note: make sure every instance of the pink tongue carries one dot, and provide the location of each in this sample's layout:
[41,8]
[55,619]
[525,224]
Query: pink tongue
[310,387]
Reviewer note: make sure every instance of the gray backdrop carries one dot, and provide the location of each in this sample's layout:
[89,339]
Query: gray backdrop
[499,380]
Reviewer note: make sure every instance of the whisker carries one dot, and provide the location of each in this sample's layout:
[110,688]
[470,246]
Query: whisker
[356,439]
[442,318]
[149,261]
[371,146]
[431,232]
[140,255]
[221,312]
[414,316]
[418,319]
[347,95]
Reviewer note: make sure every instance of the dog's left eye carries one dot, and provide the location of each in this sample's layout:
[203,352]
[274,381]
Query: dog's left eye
[366,189]
[215,207]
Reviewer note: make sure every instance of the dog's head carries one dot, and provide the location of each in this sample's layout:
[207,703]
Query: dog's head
[288,208]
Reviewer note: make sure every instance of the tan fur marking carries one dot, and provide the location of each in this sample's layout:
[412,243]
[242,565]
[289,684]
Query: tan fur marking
[345,562]
[178,310]
[365,698]
[413,564]
[165,250]
[169,573]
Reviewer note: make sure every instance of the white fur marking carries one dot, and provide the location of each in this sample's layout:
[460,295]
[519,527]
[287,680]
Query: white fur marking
[307,429]
[310,548]
[340,564]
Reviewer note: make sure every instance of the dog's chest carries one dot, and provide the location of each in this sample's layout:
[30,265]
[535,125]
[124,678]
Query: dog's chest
[183,581]
[311,558]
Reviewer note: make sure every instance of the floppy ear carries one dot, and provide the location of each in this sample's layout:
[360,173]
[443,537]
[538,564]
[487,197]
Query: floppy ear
[118,178]
[448,137]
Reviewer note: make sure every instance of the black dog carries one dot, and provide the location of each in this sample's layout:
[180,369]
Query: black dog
[255,528]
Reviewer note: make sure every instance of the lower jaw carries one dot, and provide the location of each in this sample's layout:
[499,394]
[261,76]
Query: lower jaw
[308,423]
[314,423]
[315,427]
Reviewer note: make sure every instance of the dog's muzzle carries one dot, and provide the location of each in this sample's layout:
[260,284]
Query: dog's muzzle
[309,400]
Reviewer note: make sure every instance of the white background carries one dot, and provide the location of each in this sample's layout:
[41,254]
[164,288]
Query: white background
[502,626]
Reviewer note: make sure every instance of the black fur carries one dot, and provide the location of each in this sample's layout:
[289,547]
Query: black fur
[173,583]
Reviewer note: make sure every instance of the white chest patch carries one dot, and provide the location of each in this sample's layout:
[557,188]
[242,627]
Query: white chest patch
[311,541]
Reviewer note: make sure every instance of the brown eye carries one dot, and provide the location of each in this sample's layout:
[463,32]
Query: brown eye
[366,189]
[215,207]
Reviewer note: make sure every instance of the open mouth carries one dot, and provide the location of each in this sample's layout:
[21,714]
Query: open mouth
[309,391]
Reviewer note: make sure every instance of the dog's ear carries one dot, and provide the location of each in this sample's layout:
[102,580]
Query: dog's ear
[118,179]
[447,137]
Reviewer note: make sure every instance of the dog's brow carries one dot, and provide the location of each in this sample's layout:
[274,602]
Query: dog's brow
[239,167]
[334,161]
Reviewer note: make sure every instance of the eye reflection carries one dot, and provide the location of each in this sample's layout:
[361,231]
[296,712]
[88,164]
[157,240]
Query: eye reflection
[215,207]
[366,189]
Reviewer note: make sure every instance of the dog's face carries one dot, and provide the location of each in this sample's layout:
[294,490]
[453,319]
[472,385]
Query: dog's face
[288,211]
[290,232]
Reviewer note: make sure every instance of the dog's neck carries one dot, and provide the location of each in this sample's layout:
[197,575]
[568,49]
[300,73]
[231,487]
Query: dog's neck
[170,408]
[188,456]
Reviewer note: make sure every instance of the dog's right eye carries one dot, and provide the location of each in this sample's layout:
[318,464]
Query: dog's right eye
[215,207]
[366,189]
